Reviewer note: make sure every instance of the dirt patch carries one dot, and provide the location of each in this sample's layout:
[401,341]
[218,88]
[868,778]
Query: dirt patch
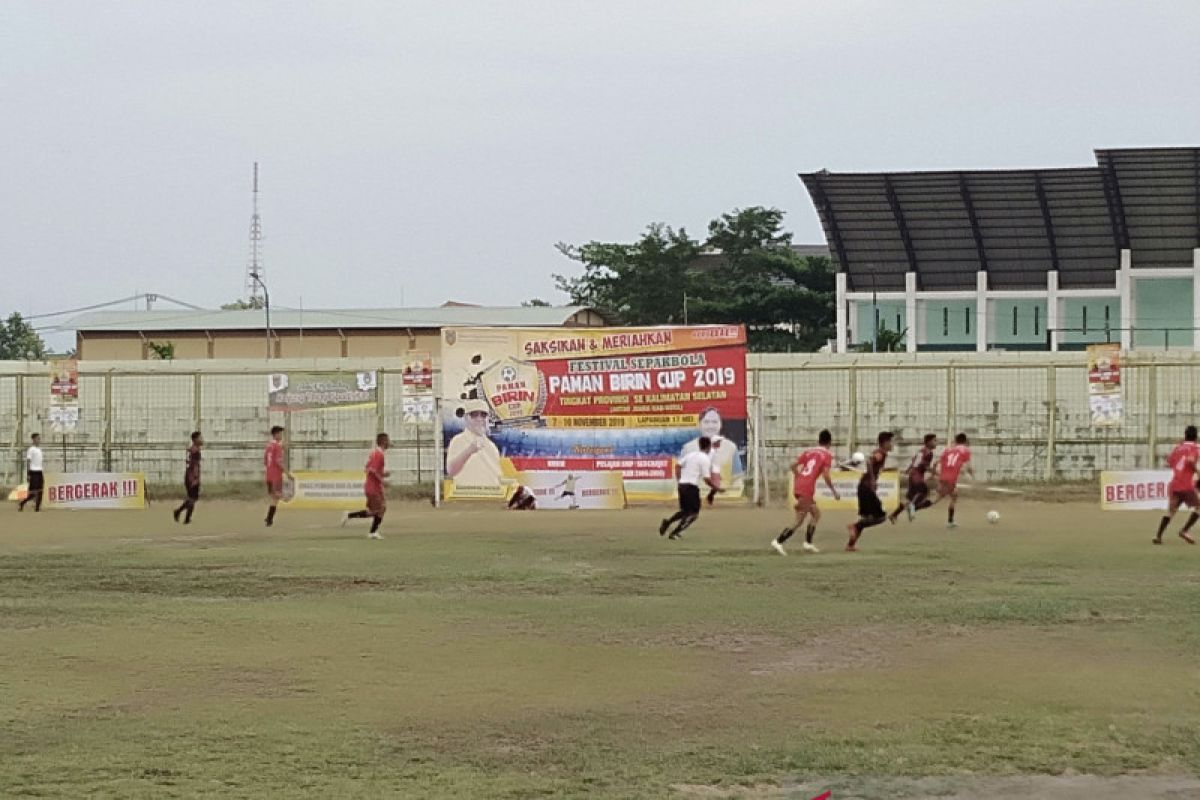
[852,648]
[1018,787]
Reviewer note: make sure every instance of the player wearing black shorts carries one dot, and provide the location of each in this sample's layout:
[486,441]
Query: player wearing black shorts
[917,496]
[870,507]
[191,480]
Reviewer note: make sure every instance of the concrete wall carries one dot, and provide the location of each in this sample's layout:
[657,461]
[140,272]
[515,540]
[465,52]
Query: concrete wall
[233,345]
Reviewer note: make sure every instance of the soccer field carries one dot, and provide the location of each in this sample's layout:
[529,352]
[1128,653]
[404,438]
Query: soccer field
[474,653]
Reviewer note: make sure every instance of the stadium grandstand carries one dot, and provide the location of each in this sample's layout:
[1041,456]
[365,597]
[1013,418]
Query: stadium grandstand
[1028,259]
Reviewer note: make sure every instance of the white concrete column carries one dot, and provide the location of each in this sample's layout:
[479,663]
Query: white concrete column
[1196,299]
[1125,287]
[981,312]
[840,314]
[910,310]
[1052,308]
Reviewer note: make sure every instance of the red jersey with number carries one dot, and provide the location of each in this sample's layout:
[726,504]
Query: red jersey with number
[374,482]
[952,461]
[810,465]
[919,466]
[1182,462]
[273,460]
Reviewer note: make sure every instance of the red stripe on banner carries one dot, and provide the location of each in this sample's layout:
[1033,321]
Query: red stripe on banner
[631,467]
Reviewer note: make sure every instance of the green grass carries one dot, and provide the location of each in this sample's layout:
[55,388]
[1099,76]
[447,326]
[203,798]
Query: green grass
[474,653]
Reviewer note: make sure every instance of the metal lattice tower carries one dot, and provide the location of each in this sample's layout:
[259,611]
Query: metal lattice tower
[254,266]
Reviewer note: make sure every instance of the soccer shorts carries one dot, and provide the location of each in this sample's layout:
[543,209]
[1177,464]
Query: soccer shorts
[1189,498]
[37,481]
[376,503]
[193,491]
[275,487]
[947,487]
[917,489]
[804,504]
[689,498]
[869,504]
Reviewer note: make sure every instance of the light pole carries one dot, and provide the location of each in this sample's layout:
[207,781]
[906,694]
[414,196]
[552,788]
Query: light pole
[266,307]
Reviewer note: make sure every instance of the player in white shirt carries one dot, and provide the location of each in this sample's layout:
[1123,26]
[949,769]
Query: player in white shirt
[692,470]
[33,459]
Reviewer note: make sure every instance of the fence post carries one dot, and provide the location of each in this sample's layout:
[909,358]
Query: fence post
[951,401]
[1152,438]
[853,378]
[108,420]
[20,440]
[197,400]
[380,411]
[1052,419]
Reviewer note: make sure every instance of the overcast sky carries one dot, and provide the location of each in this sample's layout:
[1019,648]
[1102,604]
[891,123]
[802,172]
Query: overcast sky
[438,150]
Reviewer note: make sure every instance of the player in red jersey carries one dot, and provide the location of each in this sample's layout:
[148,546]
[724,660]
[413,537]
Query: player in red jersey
[1183,463]
[870,507]
[917,496]
[953,460]
[373,487]
[813,463]
[273,465]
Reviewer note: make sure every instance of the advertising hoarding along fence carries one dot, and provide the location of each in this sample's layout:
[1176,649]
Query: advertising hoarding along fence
[1134,490]
[1105,399]
[341,490]
[95,490]
[846,482]
[306,391]
[627,400]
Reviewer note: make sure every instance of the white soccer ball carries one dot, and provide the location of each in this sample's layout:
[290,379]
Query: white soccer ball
[858,459]
[993,517]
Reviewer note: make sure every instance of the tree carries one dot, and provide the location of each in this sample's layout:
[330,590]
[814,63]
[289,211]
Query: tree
[243,305]
[643,283]
[536,302]
[745,272]
[164,351]
[19,341]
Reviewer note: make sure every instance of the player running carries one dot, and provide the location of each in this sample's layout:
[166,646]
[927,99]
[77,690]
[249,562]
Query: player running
[811,464]
[917,497]
[953,460]
[191,480]
[870,507]
[568,489]
[273,464]
[692,469]
[373,488]
[1183,463]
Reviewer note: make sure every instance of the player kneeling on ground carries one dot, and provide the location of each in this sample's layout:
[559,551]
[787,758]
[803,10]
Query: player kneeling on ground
[373,488]
[522,500]
[812,463]
[694,468]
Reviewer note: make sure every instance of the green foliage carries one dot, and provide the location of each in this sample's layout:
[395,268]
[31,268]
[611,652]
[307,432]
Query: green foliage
[164,351]
[886,341]
[19,341]
[536,302]
[243,305]
[744,272]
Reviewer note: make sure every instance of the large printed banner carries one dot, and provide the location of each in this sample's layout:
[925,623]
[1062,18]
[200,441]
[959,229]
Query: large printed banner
[1137,490]
[95,490]
[305,391]
[64,396]
[1105,401]
[567,401]
[846,483]
[328,490]
[574,490]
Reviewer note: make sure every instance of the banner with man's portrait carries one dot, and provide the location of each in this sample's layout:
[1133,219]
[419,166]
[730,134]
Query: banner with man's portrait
[628,400]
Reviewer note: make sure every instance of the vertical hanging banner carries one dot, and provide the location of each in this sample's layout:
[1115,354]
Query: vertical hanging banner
[1105,400]
[64,396]
[585,400]
[416,401]
[322,391]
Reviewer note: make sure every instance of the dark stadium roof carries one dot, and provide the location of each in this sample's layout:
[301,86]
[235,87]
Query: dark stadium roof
[1013,224]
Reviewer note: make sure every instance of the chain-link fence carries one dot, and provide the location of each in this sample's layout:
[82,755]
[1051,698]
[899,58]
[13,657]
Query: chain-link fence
[139,419]
[1026,414]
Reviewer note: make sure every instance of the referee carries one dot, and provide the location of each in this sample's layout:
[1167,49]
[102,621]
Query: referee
[696,467]
[37,483]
